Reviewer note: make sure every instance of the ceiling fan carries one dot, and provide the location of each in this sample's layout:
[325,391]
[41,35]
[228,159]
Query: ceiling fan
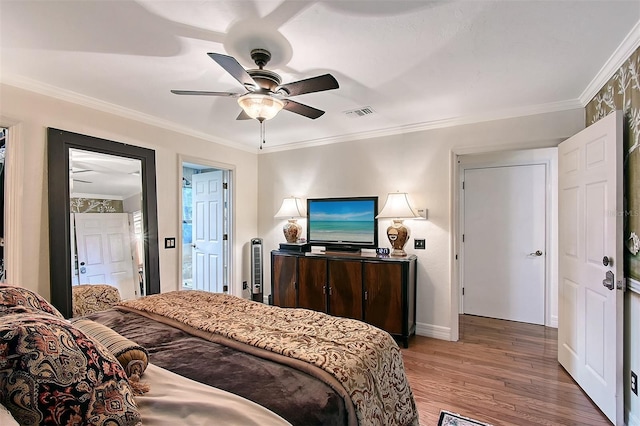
[265,96]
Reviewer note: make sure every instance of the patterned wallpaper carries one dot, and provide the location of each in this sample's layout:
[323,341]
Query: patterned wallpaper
[95,205]
[622,92]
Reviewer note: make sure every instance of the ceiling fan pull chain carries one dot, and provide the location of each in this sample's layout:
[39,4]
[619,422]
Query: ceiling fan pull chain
[261,133]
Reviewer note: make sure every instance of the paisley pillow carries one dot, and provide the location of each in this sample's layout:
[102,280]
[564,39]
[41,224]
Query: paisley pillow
[14,299]
[52,373]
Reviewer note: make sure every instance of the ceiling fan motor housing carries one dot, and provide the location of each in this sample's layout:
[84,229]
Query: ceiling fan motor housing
[261,57]
[267,80]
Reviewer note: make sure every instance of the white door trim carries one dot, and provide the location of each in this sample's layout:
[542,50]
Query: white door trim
[231,272]
[459,162]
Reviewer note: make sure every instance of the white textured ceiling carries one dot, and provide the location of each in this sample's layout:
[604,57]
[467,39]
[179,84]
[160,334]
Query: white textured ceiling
[415,63]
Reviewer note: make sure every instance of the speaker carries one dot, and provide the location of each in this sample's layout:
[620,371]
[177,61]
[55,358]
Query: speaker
[256,269]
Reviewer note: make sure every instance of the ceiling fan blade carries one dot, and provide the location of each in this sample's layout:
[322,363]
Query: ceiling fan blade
[310,85]
[302,109]
[236,70]
[204,93]
[243,116]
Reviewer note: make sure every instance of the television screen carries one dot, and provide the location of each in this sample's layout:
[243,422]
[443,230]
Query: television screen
[348,223]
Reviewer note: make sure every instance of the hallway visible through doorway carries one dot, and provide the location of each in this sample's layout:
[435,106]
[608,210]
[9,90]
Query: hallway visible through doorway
[205,227]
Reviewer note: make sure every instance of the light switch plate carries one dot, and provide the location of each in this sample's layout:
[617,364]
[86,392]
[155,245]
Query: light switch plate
[170,243]
[419,244]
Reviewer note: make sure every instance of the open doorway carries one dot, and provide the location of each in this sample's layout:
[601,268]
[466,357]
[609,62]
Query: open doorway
[205,216]
[498,194]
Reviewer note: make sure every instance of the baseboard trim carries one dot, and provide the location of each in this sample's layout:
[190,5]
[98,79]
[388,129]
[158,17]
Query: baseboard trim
[434,331]
[553,321]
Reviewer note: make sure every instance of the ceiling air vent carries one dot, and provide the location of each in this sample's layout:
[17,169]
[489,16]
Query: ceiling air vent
[360,112]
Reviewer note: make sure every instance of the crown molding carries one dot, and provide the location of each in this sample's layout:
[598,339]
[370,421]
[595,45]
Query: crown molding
[615,61]
[436,124]
[89,102]
[83,100]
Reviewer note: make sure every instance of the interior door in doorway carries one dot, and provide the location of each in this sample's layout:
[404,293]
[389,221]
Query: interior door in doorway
[208,231]
[104,251]
[590,342]
[504,242]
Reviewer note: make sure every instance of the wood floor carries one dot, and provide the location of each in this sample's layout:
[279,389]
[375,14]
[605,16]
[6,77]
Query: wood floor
[500,372]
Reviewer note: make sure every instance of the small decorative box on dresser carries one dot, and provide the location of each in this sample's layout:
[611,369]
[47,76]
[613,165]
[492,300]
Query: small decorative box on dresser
[379,290]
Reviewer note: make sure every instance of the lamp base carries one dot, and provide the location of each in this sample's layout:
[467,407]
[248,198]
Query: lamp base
[292,231]
[398,235]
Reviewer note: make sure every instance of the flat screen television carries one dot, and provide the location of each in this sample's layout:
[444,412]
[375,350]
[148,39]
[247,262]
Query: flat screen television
[343,223]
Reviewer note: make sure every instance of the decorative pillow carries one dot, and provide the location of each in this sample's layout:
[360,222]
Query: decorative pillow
[133,357]
[90,298]
[52,373]
[24,299]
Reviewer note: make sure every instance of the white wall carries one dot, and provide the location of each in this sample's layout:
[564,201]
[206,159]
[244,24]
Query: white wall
[132,203]
[419,163]
[33,113]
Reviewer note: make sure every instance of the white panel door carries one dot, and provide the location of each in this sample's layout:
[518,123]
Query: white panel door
[504,242]
[590,228]
[104,251]
[208,231]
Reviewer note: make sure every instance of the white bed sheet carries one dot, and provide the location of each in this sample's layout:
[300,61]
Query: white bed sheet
[175,400]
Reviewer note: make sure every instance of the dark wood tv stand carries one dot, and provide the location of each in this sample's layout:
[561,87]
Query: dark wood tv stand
[379,290]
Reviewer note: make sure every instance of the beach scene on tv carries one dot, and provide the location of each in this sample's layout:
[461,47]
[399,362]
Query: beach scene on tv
[342,221]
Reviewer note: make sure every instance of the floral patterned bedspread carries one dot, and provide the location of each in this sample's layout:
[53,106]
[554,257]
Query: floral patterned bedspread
[364,359]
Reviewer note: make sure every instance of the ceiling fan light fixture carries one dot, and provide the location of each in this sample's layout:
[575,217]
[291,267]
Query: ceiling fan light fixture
[259,106]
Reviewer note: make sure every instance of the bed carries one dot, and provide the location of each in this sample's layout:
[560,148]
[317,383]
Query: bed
[285,365]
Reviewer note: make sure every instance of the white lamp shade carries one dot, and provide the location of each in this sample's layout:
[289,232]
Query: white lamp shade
[291,207]
[260,107]
[397,207]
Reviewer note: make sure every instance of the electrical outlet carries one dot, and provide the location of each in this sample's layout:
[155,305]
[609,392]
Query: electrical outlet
[634,383]
[419,244]
[244,285]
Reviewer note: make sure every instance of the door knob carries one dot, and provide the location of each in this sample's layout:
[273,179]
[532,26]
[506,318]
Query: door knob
[608,281]
[536,253]
[606,261]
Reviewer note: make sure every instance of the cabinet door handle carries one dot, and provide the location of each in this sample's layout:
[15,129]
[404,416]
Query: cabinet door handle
[366,295]
[324,289]
[330,291]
